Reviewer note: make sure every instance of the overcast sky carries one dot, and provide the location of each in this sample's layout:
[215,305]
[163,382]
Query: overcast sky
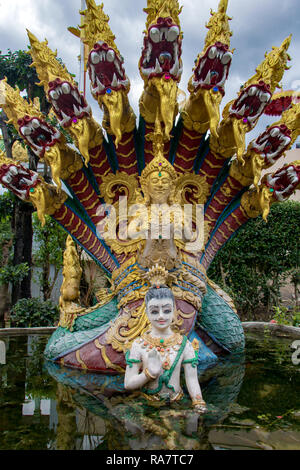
[257,25]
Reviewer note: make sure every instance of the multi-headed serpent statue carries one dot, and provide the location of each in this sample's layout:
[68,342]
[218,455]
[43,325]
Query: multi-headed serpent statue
[168,160]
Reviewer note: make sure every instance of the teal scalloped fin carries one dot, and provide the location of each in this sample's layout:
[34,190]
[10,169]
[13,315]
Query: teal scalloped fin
[220,320]
[86,329]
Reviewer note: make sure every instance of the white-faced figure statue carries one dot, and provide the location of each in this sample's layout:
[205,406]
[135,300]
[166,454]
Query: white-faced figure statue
[155,359]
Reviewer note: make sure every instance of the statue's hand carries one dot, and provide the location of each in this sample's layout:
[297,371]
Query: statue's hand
[154,365]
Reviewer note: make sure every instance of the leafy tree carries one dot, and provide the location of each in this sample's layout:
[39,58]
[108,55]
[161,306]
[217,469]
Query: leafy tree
[50,242]
[16,66]
[256,262]
[9,272]
[30,313]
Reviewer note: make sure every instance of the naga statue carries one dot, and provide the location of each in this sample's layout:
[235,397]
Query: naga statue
[154,199]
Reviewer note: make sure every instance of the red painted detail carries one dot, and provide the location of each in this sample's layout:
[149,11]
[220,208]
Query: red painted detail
[99,163]
[188,147]
[86,194]
[78,229]
[126,155]
[211,167]
[233,222]
[230,188]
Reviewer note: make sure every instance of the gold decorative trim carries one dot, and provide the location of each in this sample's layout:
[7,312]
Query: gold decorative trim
[190,182]
[121,183]
[128,327]
[107,361]
[81,362]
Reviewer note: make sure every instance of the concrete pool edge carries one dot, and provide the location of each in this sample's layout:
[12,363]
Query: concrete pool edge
[281,331]
[31,331]
[257,327]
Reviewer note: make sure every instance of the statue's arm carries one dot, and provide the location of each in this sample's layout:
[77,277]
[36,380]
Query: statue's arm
[190,360]
[134,380]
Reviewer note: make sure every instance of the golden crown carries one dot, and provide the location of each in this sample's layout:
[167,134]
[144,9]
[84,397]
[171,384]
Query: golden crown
[158,276]
[160,164]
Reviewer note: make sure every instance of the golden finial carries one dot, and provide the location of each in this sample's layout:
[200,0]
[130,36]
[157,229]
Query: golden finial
[164,9]
[157,137]
[218,26]
[95,26]
[159,162]
[45,61]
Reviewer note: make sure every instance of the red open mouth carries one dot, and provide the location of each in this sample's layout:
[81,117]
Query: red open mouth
[213,68]
[273,143]
[69,105]
[38,134]
[162,50]
[284,182]
[18,179]
[106,70]
[251,103]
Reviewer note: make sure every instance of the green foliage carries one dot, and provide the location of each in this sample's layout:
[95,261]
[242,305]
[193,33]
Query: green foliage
[13,274]
[6,237]
[296,319]
[253,265]
[31,313]
[8,272]
[50,241]
[285,316]
[295,275]
[282,316]
[6,206]
[16,66]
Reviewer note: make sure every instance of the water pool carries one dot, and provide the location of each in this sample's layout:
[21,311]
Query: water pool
[254,403]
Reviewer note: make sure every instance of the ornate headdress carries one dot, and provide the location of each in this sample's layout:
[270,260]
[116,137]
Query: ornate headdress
[159,163]
[158,276]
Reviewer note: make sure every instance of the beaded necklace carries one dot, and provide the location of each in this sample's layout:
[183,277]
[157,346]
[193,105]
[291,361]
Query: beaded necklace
[165,378]
[162,345]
